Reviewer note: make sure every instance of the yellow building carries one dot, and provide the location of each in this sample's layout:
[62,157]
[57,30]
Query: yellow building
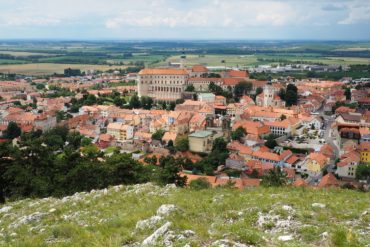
[315,162]
[201,141]
[365,152]
[120,131]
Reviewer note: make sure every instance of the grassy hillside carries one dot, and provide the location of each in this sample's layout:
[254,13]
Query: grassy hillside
[147,215]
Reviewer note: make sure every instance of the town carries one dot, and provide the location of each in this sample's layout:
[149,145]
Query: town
[230,128]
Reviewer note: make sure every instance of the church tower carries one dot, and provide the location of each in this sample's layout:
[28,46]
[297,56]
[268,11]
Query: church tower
[268,93]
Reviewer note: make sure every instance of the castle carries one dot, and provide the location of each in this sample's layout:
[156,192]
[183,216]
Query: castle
[169,84]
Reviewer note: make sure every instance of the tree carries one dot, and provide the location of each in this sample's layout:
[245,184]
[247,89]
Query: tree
[276,177]
[118,101]
[363,172]
[259,90]
[151,160]
[146,102]
[182,143]
[242,88]
[200,184]
[12,131]
[238,134]
[216,89]
[168,173]
[190,88]
[40,86]
[171,147]
[254,174]
[347,93]
[158,134]
[219,145]
[291,98]
[271,142]
[282,94]
[292,87]
[282,117]
[91,151]
[90,100]
[134,102]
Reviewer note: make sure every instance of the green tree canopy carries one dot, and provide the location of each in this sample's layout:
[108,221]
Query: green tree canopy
[242,88]
[200,184]
[158,135]
[182,143]
[276,177]
[134,102]
[238,134]
[12,131]
[271,142]
[363,172]
[146,102]
[190,88]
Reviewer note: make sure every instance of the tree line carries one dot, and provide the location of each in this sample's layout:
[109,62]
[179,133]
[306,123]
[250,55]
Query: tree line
[59,162]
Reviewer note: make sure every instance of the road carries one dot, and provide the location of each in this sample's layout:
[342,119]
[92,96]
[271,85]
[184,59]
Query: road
[328,121]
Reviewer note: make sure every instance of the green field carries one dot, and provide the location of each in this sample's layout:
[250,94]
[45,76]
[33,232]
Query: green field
[251,60]
[23,53]
[50,68]
[213,60]
[99,55]
[254,217]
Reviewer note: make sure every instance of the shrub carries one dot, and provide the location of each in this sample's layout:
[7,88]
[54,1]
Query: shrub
[199,184]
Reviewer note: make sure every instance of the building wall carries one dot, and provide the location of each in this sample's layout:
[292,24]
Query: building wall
[200,144]
[162,87]
[348,171]
[365,156]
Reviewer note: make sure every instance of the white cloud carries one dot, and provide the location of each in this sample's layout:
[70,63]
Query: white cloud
[229,13]
[358,11]
[221,17]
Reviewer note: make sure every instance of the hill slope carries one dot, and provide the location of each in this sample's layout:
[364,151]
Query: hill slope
[147,215]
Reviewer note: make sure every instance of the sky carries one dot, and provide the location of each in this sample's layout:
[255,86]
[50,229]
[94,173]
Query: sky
[185,19]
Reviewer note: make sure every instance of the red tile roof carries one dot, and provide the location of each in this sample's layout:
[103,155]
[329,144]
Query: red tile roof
[329,180]
[163,72]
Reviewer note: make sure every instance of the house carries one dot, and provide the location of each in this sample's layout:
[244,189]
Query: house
[259,167]
[285,127]
[201,141]
[198,71]
[311,121]
[314,163]
[105,141]
[197,122]
[246,100]
[328,151]
[364,134]
[348,164]
[121,132]
[169,136]
[349,118]
[235,162]
[252,128]
[327,181]
[344,109]
[220,100]
[214,181]
[365,152]
[300,183]
[207,97]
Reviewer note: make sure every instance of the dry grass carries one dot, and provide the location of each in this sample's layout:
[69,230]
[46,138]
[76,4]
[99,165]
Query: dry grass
[50,68]
[24,53]
[109,219]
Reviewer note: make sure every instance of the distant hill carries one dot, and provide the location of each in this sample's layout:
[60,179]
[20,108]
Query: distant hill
[148,215]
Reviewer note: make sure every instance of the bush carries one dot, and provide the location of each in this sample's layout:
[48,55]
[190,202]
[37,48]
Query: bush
[199,184]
